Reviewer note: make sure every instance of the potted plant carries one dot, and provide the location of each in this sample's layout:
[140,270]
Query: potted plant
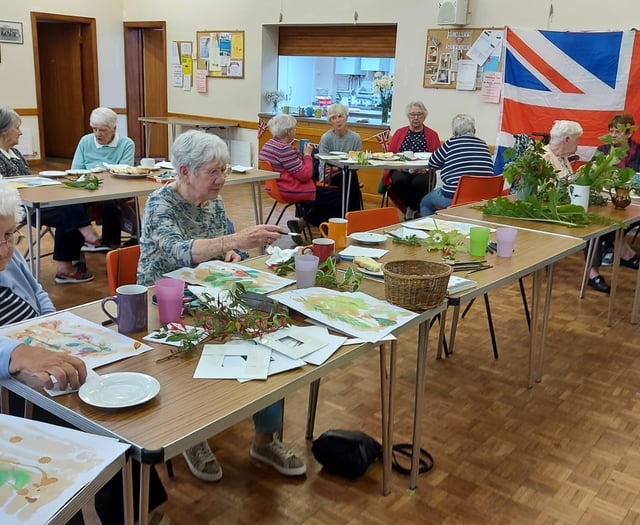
[529,173]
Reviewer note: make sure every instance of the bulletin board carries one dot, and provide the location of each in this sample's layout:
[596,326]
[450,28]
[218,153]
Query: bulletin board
[221,53]
[445,49]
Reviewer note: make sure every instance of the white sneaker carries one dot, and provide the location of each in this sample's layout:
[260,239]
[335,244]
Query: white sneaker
[202,462]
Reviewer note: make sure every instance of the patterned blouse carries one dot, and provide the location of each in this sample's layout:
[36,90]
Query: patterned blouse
[169,226]
[13,163]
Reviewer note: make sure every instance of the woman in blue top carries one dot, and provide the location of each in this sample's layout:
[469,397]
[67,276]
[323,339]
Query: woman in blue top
[462,154]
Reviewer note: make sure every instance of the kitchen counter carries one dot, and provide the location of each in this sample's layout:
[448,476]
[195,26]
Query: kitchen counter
[372,119]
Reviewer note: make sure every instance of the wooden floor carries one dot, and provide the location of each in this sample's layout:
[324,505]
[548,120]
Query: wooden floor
[565,451]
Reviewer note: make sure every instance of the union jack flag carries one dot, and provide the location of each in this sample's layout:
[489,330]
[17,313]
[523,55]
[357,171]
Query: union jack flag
[262,127]
[567,75]
[383,139]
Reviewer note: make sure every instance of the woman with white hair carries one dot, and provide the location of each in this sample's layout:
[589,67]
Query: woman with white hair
[104,145]
[462,154]
[184,224]
[72,226]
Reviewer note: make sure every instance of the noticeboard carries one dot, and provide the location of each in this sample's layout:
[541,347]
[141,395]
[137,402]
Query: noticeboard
[221,53]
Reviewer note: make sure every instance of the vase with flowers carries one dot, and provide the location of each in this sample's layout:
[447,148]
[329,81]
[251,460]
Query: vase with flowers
[274,98]
[383,86]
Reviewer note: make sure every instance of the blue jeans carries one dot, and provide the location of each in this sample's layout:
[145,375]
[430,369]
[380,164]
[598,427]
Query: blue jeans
[269,419]
[432,201]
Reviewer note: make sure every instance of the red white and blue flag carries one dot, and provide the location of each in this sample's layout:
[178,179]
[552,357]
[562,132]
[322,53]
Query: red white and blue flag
[567,75]
[383,139]
[263,125]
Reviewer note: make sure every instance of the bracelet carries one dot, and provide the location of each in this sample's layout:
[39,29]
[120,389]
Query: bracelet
[222,245]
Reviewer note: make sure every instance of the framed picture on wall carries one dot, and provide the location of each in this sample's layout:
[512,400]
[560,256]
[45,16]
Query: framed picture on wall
[11,32]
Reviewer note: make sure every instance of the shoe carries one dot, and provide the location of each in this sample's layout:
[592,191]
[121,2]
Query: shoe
[81,266]
[95,248]
[598,283]
[131,242]
[202,462]
[409,214]
[607,258]
[73,278]
[279,457]
[632,263]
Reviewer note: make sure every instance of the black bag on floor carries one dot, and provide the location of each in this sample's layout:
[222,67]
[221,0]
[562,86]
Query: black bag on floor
[346,452]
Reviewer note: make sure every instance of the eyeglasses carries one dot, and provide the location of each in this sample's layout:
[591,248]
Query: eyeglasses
[11,238]
[416,115]
[218,172]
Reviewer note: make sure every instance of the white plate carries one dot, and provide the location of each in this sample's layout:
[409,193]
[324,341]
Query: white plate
[369,272]
[77,172]
[423,155]
[53,173]
[340,153]
[368,237]
[241,169]
[119,390]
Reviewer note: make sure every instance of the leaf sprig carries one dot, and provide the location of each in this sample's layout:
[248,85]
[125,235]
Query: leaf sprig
[86,181]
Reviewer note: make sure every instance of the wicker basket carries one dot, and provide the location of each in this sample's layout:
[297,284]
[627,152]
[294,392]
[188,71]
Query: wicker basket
[416,285]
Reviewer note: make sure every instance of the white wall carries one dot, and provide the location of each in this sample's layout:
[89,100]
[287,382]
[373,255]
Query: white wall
[242,99]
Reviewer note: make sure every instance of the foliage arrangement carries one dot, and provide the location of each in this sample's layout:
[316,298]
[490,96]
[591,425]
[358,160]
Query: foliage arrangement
[221,319]
[327,275]
[529,173]
[602,171]
[87,181]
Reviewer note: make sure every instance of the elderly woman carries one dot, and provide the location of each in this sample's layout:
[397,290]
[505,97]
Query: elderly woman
[72,226]
[105,146]
[406,188]
[296,182]
[462,154]
[185,224]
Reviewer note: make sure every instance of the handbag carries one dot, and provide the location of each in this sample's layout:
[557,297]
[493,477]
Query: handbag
[346,452]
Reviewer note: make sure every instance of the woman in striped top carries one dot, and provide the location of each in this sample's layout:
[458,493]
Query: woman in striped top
[462,154]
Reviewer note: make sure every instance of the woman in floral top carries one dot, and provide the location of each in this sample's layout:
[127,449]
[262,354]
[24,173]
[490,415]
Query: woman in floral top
[185,224]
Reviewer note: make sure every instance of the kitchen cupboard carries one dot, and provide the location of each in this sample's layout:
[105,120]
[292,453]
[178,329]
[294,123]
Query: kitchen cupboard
[375,64]
[348,66]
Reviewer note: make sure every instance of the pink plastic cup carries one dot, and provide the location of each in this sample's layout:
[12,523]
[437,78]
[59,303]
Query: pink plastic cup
[169,294]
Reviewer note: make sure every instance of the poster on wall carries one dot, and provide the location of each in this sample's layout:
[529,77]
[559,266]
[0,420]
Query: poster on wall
[451,53]
[221,53]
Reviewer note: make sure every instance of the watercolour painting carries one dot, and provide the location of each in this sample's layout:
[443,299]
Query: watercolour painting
[353,313]
[43,466]
[222,275]
[66,332]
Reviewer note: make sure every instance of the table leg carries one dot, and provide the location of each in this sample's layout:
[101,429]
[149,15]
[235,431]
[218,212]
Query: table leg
[314,389]
[387,374]
[614,274]
[588,261]
[533,331]
[636,300]
[545,321]
[147,138]
[143,506]
[443,322]
[27,214]
[37,254]
[257,202]
[127,488]
[421,368]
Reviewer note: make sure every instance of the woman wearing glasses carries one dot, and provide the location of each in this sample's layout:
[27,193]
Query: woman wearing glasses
[184,224]
[406,188]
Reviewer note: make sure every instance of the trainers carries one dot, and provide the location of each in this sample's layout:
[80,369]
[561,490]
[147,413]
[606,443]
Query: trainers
[73,278]
[202,462]
[607,258]
[279,457]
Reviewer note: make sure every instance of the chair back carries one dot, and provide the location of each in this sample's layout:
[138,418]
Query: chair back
[365,220]
[474,188]
[122,265]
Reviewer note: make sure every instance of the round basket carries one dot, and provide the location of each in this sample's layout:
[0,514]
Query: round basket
[416,285]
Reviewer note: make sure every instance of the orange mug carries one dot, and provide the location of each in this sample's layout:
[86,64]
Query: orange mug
[335,229]
[322,247]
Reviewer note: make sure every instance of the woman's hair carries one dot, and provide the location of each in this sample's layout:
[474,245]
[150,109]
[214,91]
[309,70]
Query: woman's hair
[8,119]
[281,124]
[10,202]
[564,128]
[418,104]
[195,148]
[335,110]
[463,125]
[623,119]
[103,117]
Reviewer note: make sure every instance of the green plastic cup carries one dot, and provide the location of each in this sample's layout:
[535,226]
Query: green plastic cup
[479,238]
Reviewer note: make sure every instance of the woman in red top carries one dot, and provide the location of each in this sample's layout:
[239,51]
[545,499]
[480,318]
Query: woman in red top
[408,187]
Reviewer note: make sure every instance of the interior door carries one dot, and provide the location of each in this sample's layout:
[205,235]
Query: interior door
[63,112]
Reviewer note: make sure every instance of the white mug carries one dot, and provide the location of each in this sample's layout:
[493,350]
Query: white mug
[147,162]
[579,195]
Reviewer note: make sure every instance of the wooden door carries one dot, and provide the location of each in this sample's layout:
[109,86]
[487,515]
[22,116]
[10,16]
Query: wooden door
[63,115]
[146,80]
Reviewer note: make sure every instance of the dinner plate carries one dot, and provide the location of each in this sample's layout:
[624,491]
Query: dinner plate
[370,273]
[368,237]
[77,172]
[119,390]
[341,153]
[53,173]
[124,175]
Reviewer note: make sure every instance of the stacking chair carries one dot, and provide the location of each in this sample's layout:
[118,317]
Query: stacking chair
[274,193]
[122,265]
[364,220]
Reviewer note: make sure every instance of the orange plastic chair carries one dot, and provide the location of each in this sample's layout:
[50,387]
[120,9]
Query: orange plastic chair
[365,220]
[474,188]
[122,265]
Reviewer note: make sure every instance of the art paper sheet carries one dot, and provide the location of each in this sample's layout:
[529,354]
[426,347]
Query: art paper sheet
[223,275]
[294,341]
[214,362]
[66,332]
[353,313]
[42,466]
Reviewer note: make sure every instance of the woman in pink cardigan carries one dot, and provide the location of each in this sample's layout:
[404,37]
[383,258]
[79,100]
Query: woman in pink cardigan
[406,188]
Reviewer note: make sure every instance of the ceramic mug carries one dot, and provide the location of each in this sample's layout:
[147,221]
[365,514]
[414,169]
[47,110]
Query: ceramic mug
[335,229]
[131,300]
[322,247]
[579,195]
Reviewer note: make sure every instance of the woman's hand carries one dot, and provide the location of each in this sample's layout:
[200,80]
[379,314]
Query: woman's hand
[308,148]
[36,367]
[257,236]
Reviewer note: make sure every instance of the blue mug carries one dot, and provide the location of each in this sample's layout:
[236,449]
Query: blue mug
[303,143]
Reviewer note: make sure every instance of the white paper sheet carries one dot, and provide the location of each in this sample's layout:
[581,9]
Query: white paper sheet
[253,365]
[294,341]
